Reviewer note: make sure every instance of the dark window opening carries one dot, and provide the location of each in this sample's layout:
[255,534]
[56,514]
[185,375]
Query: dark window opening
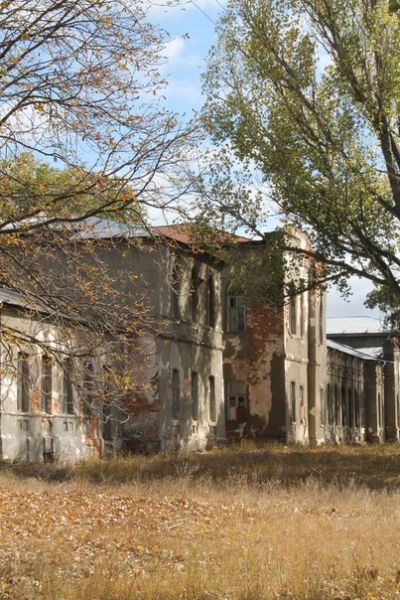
[46,391]
[356,408]
[88,389]
[175,291]
[350,399]
[23,382]
[107,422]
[212,411]
[210,302]
[194,294]
[175,394]
[344,407]
[292,317]
[195,396]
[293,401]
[68,400]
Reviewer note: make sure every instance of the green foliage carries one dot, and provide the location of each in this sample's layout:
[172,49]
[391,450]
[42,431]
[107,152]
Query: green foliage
[306,93]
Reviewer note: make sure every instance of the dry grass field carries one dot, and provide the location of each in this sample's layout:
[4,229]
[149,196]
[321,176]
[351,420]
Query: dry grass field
[245,523]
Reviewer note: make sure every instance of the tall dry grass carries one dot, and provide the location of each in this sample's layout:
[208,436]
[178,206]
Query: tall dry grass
[239,524]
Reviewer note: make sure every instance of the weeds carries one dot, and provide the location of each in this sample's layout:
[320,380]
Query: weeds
[250,523]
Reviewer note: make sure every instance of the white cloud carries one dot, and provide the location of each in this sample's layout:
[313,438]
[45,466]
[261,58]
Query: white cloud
[173,49]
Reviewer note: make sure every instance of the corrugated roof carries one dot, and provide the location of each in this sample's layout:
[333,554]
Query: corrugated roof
[352,351]
[357,325]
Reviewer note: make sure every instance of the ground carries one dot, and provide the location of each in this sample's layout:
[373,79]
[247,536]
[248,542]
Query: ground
[245,523]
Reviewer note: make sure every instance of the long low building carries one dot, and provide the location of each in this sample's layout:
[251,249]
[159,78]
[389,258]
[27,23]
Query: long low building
[209,367]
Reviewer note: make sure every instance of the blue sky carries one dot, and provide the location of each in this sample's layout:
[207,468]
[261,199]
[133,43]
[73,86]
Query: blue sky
[191,27]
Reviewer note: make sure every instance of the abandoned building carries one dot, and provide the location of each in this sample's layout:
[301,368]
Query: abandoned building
[208,368]
[176,362]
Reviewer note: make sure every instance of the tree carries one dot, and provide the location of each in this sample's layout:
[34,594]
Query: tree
[307,94]
[83,133]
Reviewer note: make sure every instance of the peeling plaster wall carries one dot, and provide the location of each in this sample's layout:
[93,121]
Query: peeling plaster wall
[36,435]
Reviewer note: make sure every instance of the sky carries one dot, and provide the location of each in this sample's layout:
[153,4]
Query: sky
[191,28]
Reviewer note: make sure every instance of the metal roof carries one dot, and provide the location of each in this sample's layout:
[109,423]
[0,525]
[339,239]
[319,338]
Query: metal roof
[352,351]
[354,325]
[10,297]
[89,228]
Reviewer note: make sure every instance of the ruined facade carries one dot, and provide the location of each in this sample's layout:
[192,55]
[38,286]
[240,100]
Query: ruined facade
[176,361]
[207,367]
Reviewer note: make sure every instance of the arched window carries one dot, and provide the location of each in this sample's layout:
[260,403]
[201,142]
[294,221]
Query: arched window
[292,316]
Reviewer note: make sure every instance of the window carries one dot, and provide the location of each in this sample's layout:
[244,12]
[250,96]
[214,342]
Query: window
[302,408]
[107,423]
[23,382]
[67,395]
[357,408]
[350,402]
[212,409]
[322,405]
[337,406]
[210,302]
[292,317]
[88,384]
[236,318]
[344,407]
[175,394]
[194,293]
[302,316]
[398,410]
[46,387]
[321,318]
[175,290]
[330,405]
[293,401]
[195,396]
[237,401]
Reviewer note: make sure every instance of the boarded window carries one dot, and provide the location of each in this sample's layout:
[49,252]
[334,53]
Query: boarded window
[212,409]
[23,382]
[195,396]
[237,401]
[293,401]
[175,394]
[236,317]
[67,395]
[46,391]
